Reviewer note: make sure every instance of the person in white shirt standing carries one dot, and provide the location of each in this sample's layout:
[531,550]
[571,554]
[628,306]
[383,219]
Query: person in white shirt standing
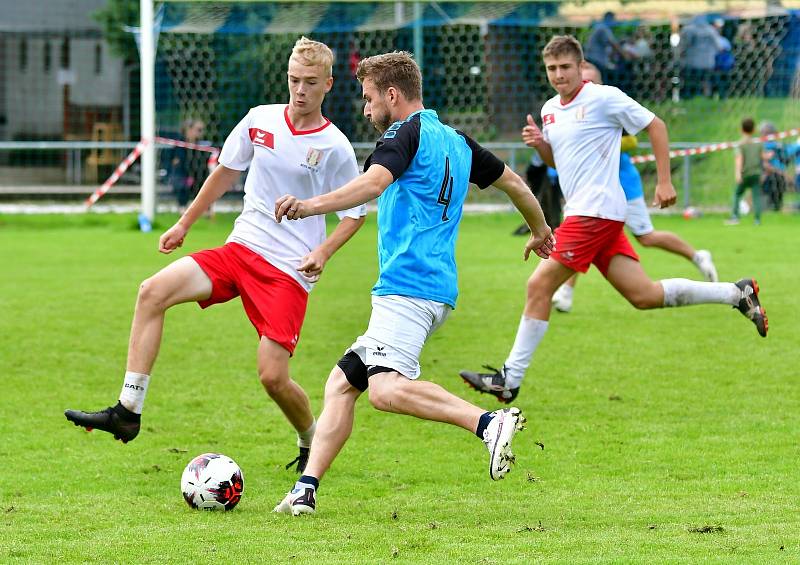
[580,136]
[272,266]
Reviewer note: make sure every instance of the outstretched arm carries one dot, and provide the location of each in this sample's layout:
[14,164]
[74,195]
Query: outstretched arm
[541,241]
[311,265]
[360,190]
[217,184]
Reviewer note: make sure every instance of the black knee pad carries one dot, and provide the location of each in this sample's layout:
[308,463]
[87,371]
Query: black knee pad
[354,370]
[375,369]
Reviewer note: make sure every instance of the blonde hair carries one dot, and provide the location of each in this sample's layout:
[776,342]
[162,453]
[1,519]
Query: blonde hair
[397,69]
[563,45]
[310,52]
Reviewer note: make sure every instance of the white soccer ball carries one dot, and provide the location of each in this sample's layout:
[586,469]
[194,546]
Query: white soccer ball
[744,208]
[212,481]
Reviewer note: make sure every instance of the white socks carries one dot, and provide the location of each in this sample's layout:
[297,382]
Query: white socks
[304,438]
[133,391]
[529,334]
[683,292]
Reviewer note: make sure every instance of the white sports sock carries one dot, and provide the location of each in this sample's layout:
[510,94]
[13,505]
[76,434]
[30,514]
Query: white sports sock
[133,391]
[565,290]
[529,334]
[683,292]
[304,438]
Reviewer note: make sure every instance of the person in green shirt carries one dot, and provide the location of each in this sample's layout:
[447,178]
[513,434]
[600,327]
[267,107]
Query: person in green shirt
[748,172]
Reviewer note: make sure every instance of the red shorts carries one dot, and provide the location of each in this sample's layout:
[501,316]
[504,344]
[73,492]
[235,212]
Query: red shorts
[582,241]
[274,301]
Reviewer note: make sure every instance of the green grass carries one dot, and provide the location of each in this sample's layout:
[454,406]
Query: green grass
[657,426]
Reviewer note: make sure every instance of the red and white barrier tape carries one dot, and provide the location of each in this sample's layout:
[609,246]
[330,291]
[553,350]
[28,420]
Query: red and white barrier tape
[118,172]
[130,159]
[714,147]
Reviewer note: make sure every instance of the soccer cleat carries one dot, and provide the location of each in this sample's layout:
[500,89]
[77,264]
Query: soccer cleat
[298,501]
[116,420]
[706,266]
[750,306]
[491,383]
[497,436]
[732,221]
[562,298]
[301,460]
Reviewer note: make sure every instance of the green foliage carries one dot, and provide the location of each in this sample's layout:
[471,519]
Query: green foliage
[113,17]
[667,435]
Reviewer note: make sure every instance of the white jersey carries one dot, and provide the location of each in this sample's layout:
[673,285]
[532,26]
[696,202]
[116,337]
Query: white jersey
[282,161]
[584,135]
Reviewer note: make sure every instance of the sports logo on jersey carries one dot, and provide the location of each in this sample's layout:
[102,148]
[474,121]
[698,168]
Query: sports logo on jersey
[313,157]
[548,119]
[262,137]
[580,113]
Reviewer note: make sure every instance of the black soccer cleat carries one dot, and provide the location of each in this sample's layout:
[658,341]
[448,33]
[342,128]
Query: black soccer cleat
[491,383]
[301,460]
[116,420]
[750,306]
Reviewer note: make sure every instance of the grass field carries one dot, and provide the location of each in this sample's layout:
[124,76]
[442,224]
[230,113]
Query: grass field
[670,436]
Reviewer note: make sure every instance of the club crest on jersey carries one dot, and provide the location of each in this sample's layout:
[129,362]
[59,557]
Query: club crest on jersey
[548,119]
[313,157]
[262,137]
[580,113]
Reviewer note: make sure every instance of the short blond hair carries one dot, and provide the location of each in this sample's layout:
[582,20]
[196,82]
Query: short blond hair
[397,69]
[563,45]
[310,52]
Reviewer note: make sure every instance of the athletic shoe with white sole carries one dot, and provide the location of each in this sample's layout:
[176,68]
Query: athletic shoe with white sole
[298,501]
[562,298]
[497,436]
[702,259]
[750,305]
[491,383]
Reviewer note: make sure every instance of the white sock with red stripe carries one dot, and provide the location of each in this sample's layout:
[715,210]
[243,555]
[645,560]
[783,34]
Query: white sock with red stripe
[529,334]
[133,391]
[683,292]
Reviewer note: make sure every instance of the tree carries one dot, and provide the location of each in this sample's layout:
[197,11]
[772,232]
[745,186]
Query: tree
[113,18]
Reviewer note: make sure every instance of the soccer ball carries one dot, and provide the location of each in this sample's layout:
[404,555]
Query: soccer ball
[212,481]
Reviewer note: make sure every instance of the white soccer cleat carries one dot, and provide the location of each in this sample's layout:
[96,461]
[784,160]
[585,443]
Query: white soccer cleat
[497,436]
[703,261]
[562,299]
[297,502]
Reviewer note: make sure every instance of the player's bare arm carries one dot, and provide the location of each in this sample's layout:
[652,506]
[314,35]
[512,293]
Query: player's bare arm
[217,184]
[541,241]
[360,190]
[312,265]
[533,137]
[665,192]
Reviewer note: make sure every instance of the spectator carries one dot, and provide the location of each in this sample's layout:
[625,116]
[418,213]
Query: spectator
[187,168]
[774,158]
[723,61]
[699,44]
[601,45]
[747,172]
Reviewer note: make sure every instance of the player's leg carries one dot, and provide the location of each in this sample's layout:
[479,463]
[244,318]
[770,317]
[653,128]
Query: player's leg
[628,277]
[334,427]
[181,281]
[505,382]
[737,197]
[273,372]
